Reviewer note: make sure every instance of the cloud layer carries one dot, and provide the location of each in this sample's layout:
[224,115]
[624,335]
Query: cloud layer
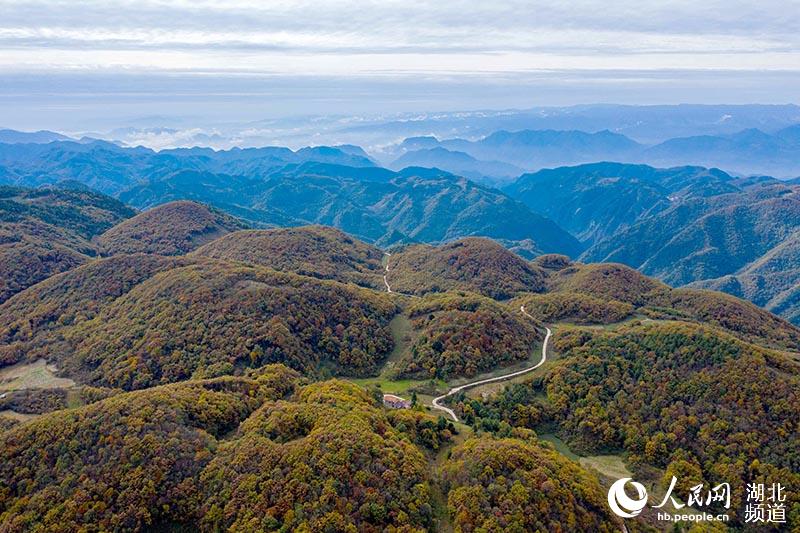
[580,51]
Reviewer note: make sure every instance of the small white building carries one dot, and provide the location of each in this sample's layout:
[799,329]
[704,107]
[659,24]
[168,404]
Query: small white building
[395,402]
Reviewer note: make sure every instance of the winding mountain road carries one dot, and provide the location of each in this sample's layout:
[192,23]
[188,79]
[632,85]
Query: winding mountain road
[454,390]
[386,281]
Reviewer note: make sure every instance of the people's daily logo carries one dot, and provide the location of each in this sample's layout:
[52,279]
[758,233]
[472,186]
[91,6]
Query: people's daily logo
[621,503]
[766,503]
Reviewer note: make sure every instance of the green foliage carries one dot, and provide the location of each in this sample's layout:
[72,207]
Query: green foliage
[47,231]
[34,401]
[315,251]
[328,460]
[463,335]
[737,316]
[477,265]
[680,396]
[514,485]
[422,429]
[608,281]
[126,462]
[198,314]
[574,307]
[169,229]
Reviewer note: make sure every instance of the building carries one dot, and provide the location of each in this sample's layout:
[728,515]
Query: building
[395,402]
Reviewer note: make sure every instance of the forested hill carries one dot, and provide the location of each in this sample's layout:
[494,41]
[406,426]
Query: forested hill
[183,379]
[274,186]
[47,231]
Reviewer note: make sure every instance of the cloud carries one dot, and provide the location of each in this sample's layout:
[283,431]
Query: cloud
[114,59]
[331,36]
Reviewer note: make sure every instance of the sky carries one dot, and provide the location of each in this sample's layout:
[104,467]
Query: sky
[73,65]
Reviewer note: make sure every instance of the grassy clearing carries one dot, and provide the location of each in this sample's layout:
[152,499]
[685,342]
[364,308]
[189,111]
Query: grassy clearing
[36,375]
[611,466]
[560,446]
[21,417]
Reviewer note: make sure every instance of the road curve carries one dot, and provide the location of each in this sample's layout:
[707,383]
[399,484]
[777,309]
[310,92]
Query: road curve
[437,405]
[386,281]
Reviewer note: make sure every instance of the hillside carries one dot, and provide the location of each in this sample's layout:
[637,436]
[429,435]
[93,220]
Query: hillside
[375,205]
[315,251]
[477,265]
[175,228]
[494,483]
[463,335]
[771,281]
[154,320]
[600,200]
[706,238]
[47,231]
[672,396]
[270,452]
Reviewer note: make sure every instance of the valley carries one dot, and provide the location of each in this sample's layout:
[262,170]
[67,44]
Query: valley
[219,359]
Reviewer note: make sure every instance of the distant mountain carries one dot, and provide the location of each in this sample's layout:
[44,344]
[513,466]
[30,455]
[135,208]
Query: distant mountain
[771,281]
[595,201]
[748,151]
[112,169]
[647,124]
[684,225]
[461,163]
[47,231]
[376,205]
[535,149]
[32,137]
[706,238]
[175,228]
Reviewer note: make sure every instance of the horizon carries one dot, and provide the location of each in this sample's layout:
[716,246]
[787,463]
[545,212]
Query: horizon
[100,66]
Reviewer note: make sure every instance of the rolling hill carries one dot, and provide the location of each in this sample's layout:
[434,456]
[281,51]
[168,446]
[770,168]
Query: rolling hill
[174,228]
[48,231]
[315,251]
[154,320]
[458,334]
[476,265]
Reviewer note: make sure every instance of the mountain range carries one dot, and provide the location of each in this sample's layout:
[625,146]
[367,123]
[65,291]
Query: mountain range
[497,155]
[686,225]
[195,362]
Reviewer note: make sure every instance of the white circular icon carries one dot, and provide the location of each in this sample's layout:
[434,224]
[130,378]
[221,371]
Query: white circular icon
[621,504]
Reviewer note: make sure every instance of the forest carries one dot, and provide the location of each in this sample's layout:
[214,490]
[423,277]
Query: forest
[220,377]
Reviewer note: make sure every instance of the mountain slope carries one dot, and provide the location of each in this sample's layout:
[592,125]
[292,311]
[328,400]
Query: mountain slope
[159,320]
[771,281]
[599,200]
[375,205]
[174,228]
[477,265]
[315,251]
[44,232]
